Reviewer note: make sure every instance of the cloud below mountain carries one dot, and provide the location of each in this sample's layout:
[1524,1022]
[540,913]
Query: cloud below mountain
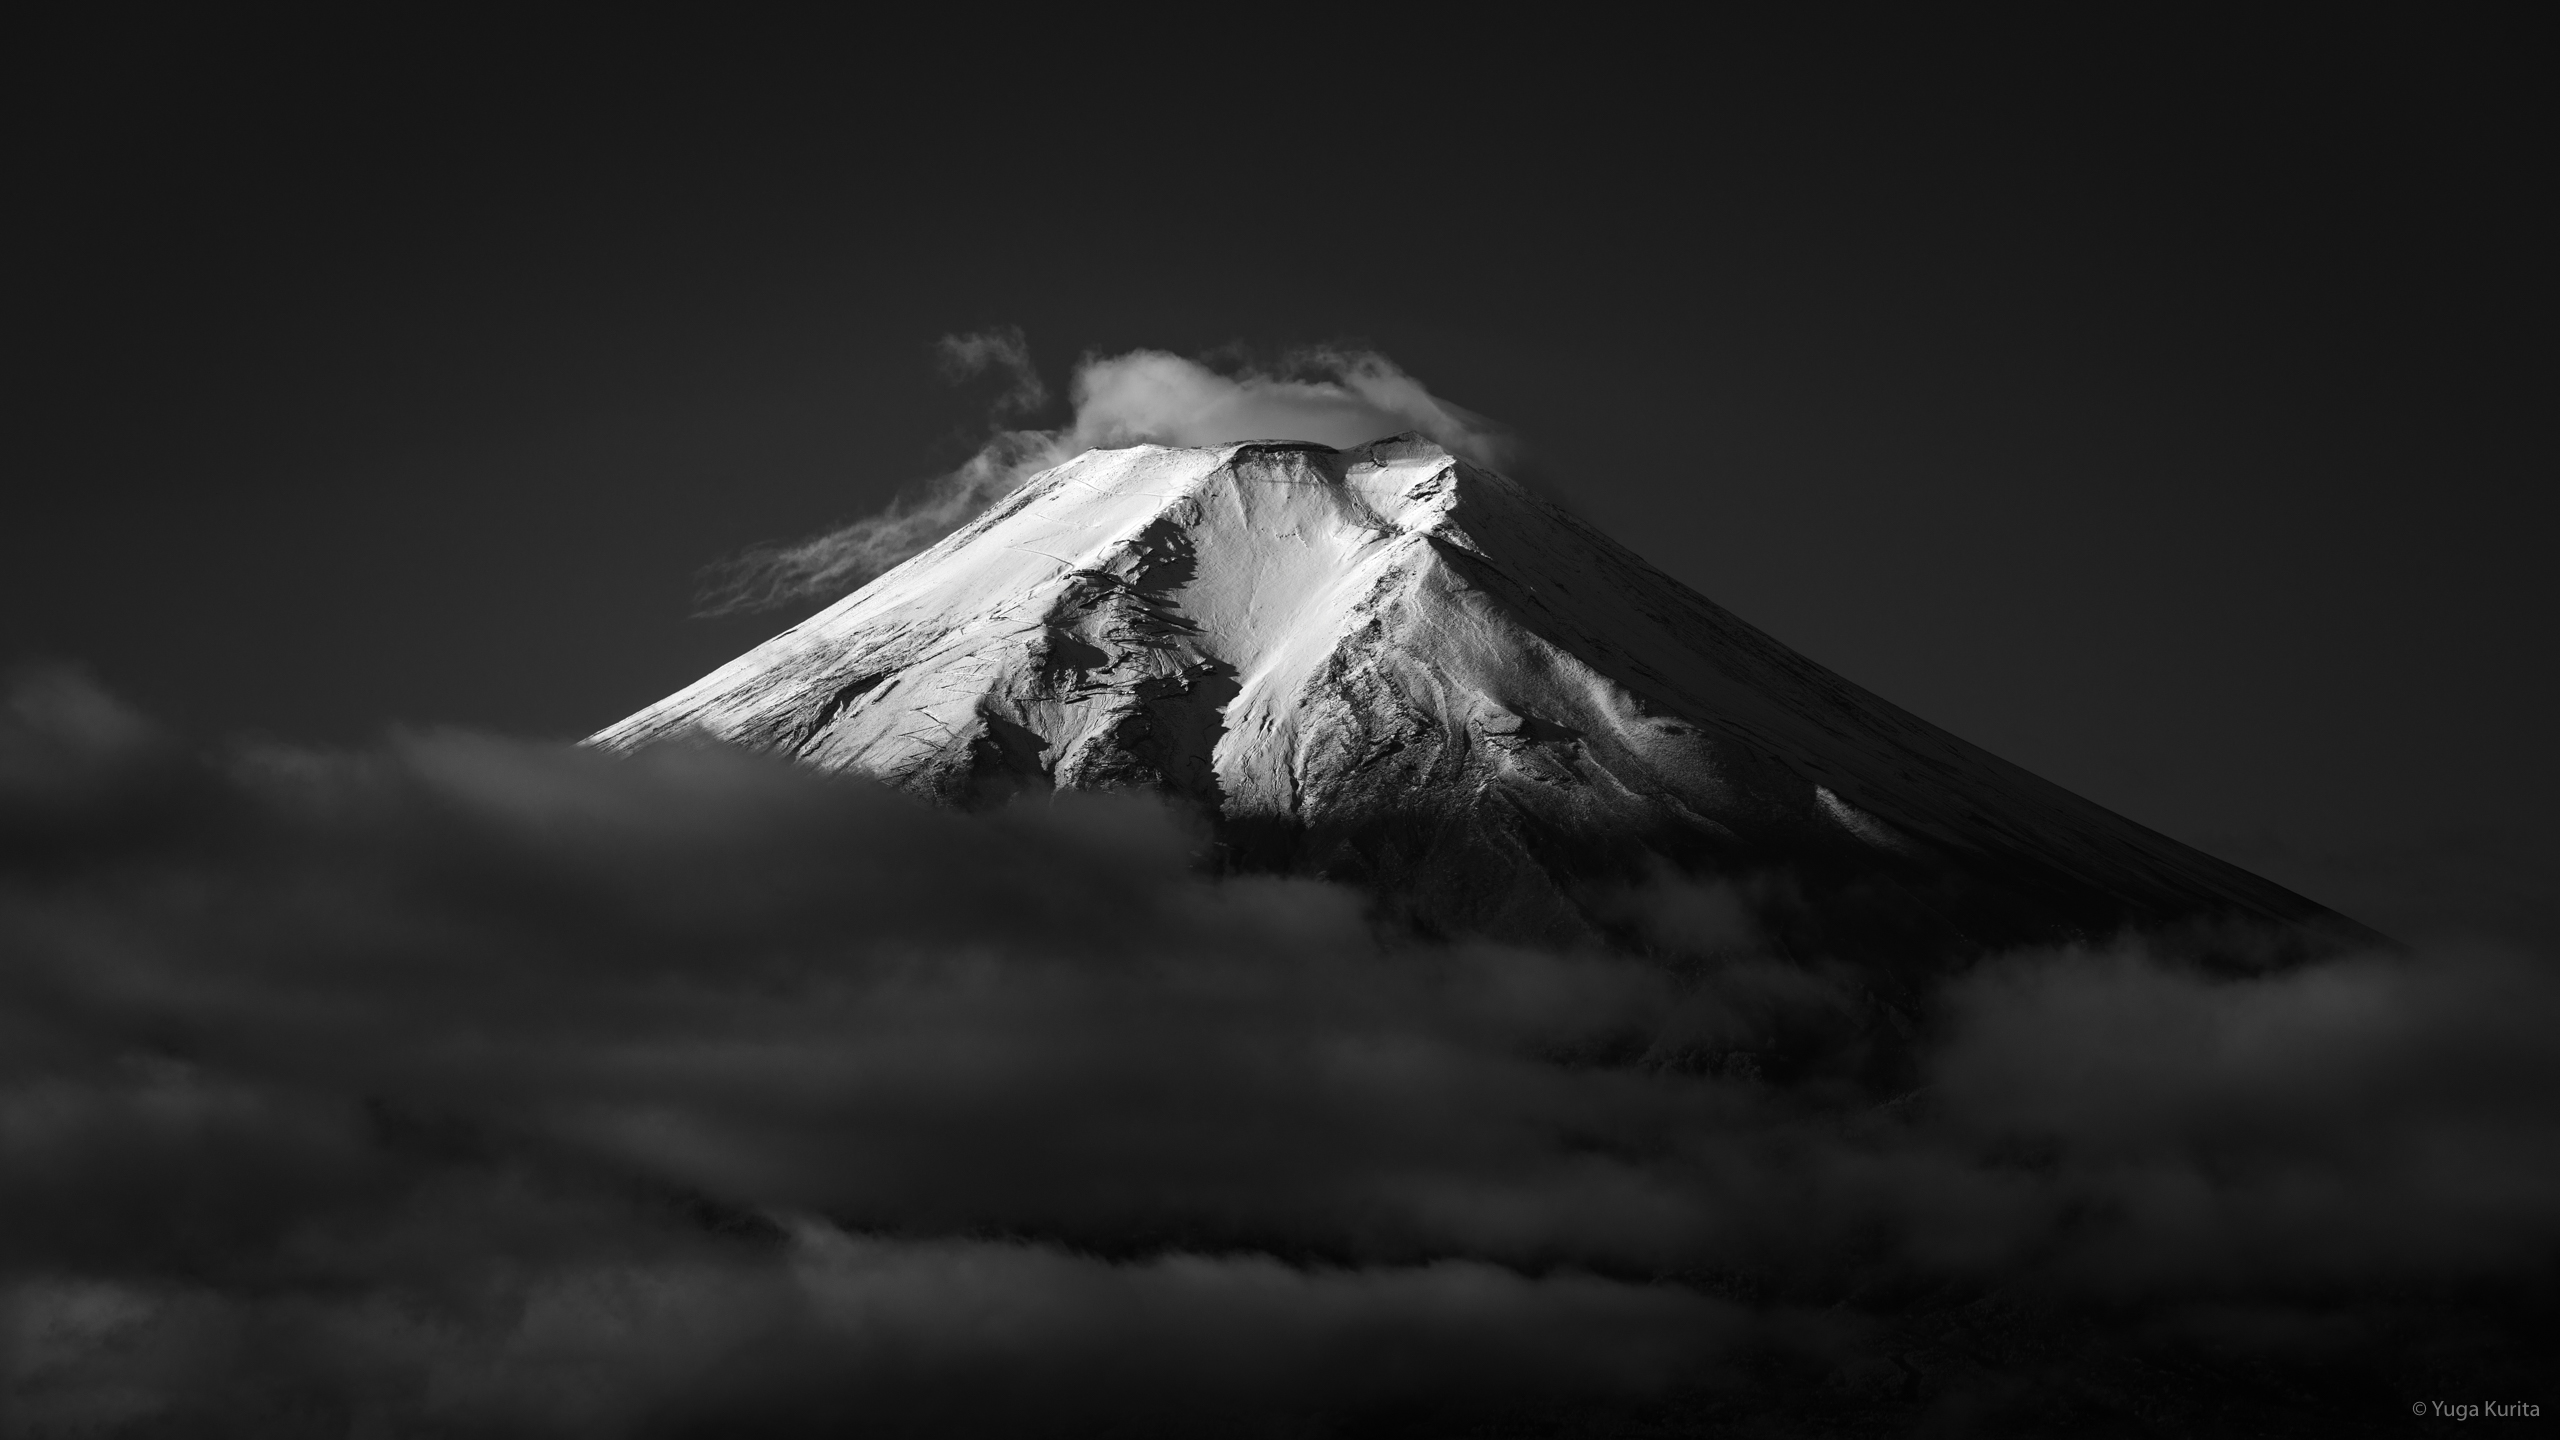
[480,1085]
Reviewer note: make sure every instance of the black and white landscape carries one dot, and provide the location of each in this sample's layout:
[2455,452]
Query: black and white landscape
[1216,889]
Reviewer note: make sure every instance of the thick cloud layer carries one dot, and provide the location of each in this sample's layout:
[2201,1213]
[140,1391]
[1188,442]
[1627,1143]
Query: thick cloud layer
[472,1086]
[1333,396]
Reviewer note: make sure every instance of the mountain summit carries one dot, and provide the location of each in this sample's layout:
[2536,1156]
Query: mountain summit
[1391,666]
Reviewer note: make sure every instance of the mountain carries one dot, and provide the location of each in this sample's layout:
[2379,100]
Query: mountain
[1394,667]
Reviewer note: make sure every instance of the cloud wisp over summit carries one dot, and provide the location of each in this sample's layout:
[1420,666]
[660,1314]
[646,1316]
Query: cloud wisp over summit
[468,1085]
[1331,395]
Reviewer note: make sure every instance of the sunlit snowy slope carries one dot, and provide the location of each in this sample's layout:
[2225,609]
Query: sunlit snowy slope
[1389,665]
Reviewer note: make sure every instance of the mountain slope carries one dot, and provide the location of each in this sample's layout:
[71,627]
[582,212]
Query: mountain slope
[1389,665]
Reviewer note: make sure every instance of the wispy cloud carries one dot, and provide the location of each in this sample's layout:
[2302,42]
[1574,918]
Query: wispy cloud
[842,560]
[965,357]
[1330,395]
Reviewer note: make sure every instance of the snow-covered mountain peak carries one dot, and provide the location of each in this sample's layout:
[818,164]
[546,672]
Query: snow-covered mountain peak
[1394,666]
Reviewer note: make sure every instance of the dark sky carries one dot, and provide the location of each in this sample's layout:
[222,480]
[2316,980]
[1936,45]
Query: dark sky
[2170,413]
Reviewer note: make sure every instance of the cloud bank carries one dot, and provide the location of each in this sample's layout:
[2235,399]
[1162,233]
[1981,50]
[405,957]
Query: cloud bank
[1330,395]
[463,1085]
